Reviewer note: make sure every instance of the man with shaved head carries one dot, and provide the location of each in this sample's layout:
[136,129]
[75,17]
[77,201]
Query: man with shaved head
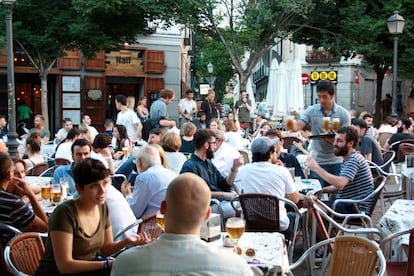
[180,251]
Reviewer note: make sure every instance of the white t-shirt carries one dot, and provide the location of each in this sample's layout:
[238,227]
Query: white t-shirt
[267,178]
[65,151]
[187,105]
[129,119]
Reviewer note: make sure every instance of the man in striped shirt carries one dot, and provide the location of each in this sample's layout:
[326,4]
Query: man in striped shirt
[355,179]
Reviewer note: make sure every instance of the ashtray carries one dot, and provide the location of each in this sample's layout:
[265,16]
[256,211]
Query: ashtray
[227,241]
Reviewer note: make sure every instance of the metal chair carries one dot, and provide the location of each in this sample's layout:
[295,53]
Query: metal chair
[37,169]
[117,180]
[261,213]
[351,255]
[24,252]
[126,229]
[399,268]
[374,196]
[400,192]
[402,148]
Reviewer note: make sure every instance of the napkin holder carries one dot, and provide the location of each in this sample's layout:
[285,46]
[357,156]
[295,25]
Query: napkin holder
[211,228]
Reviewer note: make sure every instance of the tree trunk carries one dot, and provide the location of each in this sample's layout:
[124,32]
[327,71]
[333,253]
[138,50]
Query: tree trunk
[43,82]
[378,111]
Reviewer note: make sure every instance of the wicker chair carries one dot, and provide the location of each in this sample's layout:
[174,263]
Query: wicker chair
[149,226]
[351,255]
[400,268]
[23,253]
[288,142]
[261,213]
[7,233]
[37,169]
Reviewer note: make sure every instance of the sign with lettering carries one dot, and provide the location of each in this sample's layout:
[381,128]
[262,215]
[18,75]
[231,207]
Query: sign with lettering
[125,60]
[324,75]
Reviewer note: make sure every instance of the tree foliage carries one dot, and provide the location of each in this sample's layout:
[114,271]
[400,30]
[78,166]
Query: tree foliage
[251,27]
[349,28]
[43,29]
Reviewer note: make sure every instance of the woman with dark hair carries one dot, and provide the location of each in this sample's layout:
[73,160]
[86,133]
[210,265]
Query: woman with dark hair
[81,228]
[121,141]
[32,155]
[63,150]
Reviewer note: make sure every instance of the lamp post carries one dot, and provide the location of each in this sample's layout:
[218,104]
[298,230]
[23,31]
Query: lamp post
[395,25]
[12,143]
[211,79]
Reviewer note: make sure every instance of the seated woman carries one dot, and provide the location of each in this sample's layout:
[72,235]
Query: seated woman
[214,124]
[20,172]
[233,137]
[121,141]
[187,143]
[171,143]
[64,150]
[230,116]
[32,153]
[81,228]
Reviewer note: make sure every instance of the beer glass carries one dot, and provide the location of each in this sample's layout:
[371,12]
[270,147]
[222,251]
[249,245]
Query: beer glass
[46,190]
[125,152]
[64,183]
[290,122]
[55,193]
[160,220]
[235,228]
[326,124]
[336,124]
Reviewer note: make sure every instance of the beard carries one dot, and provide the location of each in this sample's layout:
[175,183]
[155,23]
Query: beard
[210,153]
[340,151]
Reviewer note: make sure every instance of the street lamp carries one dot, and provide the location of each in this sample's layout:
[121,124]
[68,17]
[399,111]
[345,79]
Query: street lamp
[395,25]
[12,143]
[210,68]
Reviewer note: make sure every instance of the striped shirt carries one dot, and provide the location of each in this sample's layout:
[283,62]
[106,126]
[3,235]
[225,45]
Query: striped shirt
[14,212]
[360,185]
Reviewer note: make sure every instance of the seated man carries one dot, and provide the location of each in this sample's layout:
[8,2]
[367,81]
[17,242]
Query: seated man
[151,183]
[81,149]
[263,176]
[180,251]
[355,179]
[13,210]
[63,132]
[201,165]
[224,154]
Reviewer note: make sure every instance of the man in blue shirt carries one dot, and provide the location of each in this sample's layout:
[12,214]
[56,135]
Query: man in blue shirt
[81,149]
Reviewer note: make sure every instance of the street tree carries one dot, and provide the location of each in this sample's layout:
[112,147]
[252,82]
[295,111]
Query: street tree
[247,26]
[349,28]
[44,29]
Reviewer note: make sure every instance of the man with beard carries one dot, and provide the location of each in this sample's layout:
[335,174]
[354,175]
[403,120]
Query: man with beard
[405,131]
[313,116]
[201,165]
[355,179]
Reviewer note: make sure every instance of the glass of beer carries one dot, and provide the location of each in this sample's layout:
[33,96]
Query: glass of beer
[160,220]
[235,228]
[290,121]
[125,152]
[336,124]
[326,124]
[64,183]
[55,193]
[46,190]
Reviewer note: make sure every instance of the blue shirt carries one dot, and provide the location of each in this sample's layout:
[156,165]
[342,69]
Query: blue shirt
[207,171]
[65,171]
[149,190]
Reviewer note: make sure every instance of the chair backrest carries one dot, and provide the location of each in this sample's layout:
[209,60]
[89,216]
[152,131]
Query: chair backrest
[261,212]
[149,226]
[410,255]
[388,156]
[355,256]
[62,161]
[7,232]
[37,169]
[127,228]
[379,183]
[24,252]
[404,149]
[288,142]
